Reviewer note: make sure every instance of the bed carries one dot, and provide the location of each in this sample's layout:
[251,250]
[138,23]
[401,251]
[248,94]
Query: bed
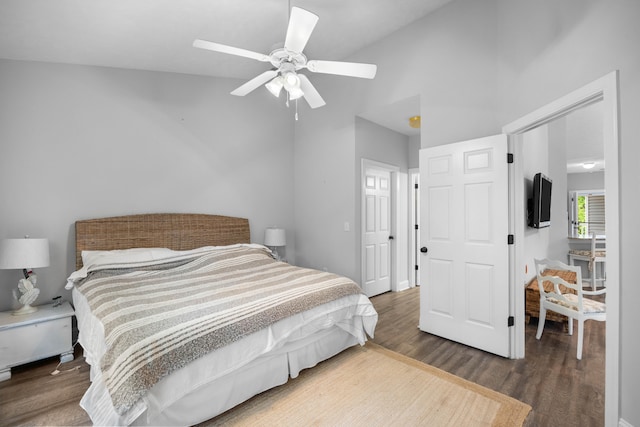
[181,318]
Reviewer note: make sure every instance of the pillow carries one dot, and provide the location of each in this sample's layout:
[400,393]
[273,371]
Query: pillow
[116,256]
[97,258]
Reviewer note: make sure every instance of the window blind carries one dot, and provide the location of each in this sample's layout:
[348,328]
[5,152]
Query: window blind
[595,214]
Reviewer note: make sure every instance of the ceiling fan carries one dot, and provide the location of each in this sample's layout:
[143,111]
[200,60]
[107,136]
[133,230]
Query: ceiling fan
[287,61]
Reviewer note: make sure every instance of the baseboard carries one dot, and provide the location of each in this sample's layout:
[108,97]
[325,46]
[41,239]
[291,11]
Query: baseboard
[402,286]
[624,423]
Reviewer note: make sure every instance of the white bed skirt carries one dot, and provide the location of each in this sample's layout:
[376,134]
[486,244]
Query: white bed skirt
[262,374]
[226,377]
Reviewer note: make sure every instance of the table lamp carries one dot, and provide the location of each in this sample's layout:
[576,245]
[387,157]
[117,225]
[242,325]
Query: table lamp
[273,238]
[25,254]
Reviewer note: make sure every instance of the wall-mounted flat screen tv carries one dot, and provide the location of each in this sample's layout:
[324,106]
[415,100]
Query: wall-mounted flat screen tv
[539,205]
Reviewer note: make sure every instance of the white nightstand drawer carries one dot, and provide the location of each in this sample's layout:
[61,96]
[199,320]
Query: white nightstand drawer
[35,336]
[36,341]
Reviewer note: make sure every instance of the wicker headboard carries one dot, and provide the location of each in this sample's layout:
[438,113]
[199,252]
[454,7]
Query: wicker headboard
[174,231]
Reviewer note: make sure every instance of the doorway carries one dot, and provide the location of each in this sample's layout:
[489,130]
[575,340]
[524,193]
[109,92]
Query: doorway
[605,90]
[384,135]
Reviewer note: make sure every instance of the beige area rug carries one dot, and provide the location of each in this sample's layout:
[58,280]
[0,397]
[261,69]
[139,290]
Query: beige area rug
[373,386]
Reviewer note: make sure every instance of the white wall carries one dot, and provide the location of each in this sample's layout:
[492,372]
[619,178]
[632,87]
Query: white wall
[558,245]
[544,150]
[79,142]
[535,152]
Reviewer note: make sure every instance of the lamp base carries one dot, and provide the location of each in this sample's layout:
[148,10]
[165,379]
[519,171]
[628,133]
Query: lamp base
[25,309]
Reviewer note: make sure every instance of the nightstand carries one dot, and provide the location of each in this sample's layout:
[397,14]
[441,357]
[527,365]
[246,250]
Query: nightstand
[35,336]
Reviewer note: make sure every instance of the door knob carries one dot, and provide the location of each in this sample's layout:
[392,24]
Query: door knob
[424,250]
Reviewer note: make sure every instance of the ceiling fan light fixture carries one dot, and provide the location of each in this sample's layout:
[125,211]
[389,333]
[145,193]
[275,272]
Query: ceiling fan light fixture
[275,86]
[295,93]
[415,122]
[291,81]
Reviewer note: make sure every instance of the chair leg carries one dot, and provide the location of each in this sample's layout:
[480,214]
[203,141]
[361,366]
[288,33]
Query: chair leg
[580,336]
[570,325]
[543,315]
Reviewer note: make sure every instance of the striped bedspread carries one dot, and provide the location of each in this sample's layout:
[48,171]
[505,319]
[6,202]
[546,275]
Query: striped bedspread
[160,316]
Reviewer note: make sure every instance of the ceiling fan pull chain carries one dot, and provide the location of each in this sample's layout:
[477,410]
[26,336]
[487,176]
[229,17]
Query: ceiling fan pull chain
[296,110]
[288,96]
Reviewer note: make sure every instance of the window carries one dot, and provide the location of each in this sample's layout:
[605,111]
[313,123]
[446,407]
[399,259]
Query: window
[586,213]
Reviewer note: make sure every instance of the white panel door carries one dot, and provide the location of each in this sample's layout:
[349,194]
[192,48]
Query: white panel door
[376,231]
[464,292]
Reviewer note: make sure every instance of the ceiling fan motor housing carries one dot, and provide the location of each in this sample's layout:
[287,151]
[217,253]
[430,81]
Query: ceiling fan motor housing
[280,58]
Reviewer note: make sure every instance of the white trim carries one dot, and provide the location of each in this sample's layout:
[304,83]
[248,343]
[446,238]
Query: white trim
[516,251]
[414,218]
[402,286]
[624,423]
[606,90]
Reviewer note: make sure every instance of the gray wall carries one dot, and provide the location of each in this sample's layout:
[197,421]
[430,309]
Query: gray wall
[559,47]
[414,152]
[375,142]
[585,181]
[80,142]
[456,104]
[476,67]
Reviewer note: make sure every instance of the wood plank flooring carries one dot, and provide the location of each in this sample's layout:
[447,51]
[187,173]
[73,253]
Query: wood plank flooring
[562,390]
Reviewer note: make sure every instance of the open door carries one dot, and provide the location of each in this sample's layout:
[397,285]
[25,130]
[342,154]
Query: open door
[464,293]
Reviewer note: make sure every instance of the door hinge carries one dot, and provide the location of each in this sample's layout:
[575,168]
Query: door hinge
[415,186]
[509,157]
[511,321]
[416,226]
[416,268]
[510,239]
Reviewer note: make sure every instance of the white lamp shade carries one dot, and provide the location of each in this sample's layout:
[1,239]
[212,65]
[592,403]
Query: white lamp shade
[275,86]
[274,237]
[24,253]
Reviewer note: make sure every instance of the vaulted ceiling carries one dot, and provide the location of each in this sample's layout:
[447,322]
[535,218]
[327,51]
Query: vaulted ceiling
[158,34]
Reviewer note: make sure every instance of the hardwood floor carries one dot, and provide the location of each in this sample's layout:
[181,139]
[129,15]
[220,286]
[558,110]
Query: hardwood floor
[561,390]
[34,397]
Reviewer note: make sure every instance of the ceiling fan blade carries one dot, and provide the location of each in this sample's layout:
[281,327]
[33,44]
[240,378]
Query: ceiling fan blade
[217,47]
[255,83]
[310,93]
[301,25]
[351,69]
